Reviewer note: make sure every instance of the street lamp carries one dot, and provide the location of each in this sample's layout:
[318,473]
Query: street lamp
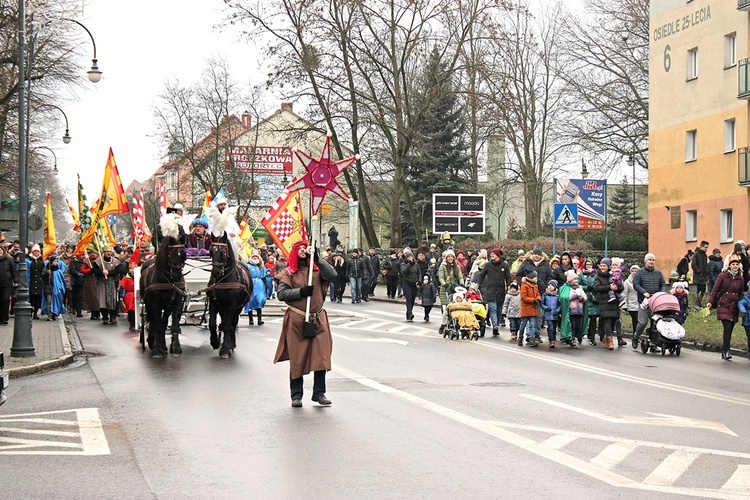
[631,163]
[66,138]
[54,170]
[584,170]
[94,74]
[22,347]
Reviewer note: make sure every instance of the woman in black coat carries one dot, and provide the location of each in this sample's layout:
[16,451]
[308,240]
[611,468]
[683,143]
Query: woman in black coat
[35,276]
[8,279]
[609,311]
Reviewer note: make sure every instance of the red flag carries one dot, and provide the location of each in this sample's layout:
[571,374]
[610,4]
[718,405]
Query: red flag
[284,222]
[162,199]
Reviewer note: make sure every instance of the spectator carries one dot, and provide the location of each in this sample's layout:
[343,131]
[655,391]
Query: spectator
[725,298]
[699,264]
[648,280]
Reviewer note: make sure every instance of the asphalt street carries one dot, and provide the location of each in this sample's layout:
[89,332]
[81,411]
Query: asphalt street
[414,415]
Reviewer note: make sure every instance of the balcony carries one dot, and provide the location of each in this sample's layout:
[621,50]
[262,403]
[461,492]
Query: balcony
[743,166]
[743,73]
[743,5]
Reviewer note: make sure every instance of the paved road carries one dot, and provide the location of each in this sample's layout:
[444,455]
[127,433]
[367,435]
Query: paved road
[413,415]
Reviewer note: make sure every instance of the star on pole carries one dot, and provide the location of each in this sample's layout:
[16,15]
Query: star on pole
[320,175]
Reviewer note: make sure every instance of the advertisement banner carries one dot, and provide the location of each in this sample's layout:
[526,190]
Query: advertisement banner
[259,159]
[589,196]
[456,213]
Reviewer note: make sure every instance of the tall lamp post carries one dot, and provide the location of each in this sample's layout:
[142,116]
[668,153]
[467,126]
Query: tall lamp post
[631,163]
[23,346]
[94,74]
[54,170]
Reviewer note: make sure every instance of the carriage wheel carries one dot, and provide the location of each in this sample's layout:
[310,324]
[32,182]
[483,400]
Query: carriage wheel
[678,349]
[672,349]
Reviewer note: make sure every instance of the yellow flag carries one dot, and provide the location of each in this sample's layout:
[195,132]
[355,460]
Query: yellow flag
[50,238]
[245,239]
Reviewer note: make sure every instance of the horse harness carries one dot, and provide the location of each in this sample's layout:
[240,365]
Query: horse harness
[243,279]
[178,288]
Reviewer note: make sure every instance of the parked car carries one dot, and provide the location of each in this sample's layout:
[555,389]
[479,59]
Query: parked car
[3,379]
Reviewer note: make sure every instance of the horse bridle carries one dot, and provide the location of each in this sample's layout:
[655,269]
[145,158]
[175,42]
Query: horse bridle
[173,248]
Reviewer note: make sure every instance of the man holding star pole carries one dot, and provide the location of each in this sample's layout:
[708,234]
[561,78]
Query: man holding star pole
[305,339]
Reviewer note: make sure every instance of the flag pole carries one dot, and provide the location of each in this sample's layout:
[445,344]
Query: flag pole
[311,265]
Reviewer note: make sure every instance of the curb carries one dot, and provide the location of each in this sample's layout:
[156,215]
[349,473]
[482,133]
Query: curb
[49,364]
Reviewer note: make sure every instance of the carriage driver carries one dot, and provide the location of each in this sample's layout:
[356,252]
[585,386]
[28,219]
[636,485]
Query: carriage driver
[199,237]
[305,354]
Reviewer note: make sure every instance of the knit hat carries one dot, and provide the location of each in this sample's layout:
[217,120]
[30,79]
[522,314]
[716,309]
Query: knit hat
[513,284]
[606,261]
[553,283]
[433,260]
[497,252]
[635,266]
[532,274]
[537,250]
[716,250]
[36,248]
[649,256]
[521,253]
[571,275]
[683,284]
[449,253]
[407,251]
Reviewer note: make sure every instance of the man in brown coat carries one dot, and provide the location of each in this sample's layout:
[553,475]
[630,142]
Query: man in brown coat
[305,354]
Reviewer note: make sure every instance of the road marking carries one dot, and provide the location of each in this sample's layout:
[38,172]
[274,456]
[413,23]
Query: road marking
[659,419]
[376,339]
[559,441]
[612,455]
[607,372]
[87,439]
[740,481]
[680,458]
[671,468]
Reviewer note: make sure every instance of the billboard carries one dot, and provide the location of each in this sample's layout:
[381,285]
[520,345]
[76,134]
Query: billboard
[259,159]
[589,195]
[458,213]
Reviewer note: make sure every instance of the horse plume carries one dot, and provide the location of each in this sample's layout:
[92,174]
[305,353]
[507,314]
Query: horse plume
[220,220]
[170,226]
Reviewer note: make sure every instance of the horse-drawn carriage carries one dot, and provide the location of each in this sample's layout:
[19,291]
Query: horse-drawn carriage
[169,289]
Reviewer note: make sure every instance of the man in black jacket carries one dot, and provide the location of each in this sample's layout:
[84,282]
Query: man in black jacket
[699,263]
[647,281]
[493,280]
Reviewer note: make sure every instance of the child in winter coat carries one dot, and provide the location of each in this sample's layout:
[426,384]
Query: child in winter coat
[551,306]
[572,309]
[679,290]
[128,301]
[428,294]
[530,299]
[512,309]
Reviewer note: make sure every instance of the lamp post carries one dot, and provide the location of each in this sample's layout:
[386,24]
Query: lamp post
[66,138]
[22,347]
[631,163]
[94,74]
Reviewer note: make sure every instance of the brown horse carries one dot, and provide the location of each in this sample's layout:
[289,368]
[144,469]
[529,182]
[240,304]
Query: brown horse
[228,291]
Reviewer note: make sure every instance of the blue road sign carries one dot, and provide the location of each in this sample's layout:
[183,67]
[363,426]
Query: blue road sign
[566,215]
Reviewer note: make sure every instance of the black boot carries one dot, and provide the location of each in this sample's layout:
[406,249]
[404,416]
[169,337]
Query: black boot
[726,355]
[260,316]
[250,317]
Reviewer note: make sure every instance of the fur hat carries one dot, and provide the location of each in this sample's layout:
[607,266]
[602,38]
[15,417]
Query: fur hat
[554,260]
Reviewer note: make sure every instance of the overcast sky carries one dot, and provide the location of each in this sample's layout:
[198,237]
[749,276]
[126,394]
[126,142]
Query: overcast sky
[141,44]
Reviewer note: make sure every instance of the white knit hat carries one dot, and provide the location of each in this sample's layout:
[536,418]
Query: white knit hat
[36,248]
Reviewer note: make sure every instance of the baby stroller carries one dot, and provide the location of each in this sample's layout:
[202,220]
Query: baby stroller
[461,319]
[665,332]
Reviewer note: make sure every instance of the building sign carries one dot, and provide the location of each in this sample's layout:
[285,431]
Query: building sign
[267,160]
[458,213]
[590,197]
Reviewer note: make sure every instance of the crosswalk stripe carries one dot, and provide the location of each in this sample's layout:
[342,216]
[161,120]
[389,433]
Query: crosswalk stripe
[559,441]
[671,468]
[740,481]
[612,455]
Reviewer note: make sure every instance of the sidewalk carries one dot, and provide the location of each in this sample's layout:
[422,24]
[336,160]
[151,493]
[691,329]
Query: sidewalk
[51,346]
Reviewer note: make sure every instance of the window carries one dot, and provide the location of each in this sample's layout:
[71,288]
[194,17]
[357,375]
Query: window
[730,144]
[726,226]
[692,64]
[730,50]
[691,145]
[691,225]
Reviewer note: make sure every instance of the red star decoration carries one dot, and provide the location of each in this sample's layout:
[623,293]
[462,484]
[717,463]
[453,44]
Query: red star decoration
[321,174]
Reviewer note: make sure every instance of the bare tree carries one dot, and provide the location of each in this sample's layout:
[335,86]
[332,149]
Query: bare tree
[607,72]
[528,94]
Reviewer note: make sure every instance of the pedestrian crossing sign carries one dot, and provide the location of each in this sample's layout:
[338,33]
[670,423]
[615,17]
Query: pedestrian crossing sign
[566,215]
